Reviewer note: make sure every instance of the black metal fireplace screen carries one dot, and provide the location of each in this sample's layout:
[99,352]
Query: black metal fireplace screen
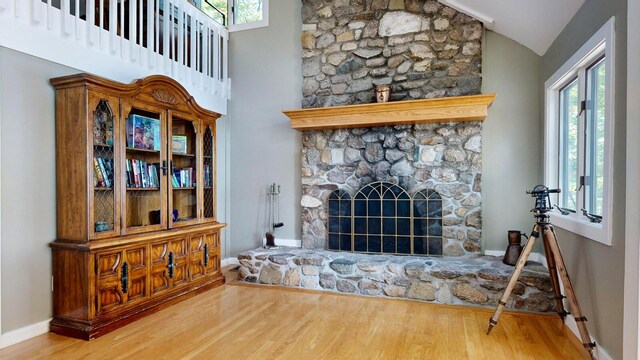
[383,218]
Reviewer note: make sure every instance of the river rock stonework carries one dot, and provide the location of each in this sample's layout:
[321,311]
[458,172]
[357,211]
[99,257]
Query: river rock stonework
[445,157]
[475,280]
[421,49]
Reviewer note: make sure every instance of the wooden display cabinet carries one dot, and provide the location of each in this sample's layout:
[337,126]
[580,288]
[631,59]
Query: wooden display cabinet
[137,228]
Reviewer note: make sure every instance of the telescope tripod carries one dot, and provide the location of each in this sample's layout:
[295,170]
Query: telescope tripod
[557,269]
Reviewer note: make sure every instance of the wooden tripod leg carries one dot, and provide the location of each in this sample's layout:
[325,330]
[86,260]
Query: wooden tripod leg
[553,274]
[550,235]
[522,260]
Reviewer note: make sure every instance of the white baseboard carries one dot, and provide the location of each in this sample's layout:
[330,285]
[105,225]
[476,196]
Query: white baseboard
[534,256]
[15,336]
[601,354]
[285,242]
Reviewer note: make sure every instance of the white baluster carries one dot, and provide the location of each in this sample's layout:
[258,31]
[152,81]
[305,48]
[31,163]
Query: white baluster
[76,19]
[133,30]
[101,24]
[20,9]
[4,4]
[122,47]
[193,48]
[65,14]
[181,36]
[215,73]
[36,11]
[205,57]
[113,25]
[49,14]
[166,20]
[225,65]
[150,29]
[91,20]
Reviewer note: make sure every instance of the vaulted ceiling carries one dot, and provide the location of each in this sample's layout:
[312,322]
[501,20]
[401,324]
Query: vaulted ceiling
[534,24]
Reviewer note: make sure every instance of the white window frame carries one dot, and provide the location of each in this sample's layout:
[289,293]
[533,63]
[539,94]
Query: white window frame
[601,43]
[232,26]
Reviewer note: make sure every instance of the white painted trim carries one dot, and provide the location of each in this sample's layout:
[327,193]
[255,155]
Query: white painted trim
[285,242]
[227,189]
[229,261]
[252,25]
[25,333]
[602,42]
[1,107]
[487,21]
[630,343]
[534,256]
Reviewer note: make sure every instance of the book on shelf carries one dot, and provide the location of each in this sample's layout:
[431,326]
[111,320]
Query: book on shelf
[103,172]
[143,132]
[142,175]
[183,178]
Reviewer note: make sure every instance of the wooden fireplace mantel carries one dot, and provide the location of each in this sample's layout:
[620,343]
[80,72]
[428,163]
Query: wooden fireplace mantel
[459,108]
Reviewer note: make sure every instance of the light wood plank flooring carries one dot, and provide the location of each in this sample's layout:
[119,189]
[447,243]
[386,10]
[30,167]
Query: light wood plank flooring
[251,322]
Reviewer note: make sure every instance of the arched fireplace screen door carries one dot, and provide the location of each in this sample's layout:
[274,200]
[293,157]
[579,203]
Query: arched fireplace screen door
[382,218]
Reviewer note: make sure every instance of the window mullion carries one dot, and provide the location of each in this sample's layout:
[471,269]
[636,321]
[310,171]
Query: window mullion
[582,90]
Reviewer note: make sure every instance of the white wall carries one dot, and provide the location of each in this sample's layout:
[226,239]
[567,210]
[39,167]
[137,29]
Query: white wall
[511,148]
[266,78]
[27,186]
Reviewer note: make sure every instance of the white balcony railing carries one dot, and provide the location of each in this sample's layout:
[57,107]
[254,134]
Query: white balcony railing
[124,40]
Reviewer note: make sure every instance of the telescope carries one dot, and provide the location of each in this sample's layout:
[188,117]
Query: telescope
[541,193]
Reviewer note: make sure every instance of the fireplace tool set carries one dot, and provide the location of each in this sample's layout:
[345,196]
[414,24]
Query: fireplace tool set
[555,264]
[274,215]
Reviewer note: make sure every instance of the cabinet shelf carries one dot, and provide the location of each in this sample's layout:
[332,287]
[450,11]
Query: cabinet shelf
[185,188]
[100,188]
[136,150]
[103,146]
[143,189]
[183,155]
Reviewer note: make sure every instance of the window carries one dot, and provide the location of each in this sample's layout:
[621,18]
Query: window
[245,14]
[579,137]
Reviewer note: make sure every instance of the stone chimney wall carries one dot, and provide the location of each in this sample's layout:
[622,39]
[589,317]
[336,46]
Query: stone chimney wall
[422,49]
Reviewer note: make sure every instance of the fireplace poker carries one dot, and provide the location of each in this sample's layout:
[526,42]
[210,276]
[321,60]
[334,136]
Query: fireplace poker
[274,215]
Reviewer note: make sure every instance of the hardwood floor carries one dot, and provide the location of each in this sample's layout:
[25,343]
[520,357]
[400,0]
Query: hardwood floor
[251,322]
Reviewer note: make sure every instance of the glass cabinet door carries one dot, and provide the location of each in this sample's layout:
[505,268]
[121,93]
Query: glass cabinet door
[184,184]
[144,169]
[209,165]
[104,206]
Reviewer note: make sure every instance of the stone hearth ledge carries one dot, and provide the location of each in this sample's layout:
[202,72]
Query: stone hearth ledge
[477,280]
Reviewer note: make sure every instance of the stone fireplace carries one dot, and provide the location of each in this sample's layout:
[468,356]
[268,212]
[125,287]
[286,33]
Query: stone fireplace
[421,49]
[427,140]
